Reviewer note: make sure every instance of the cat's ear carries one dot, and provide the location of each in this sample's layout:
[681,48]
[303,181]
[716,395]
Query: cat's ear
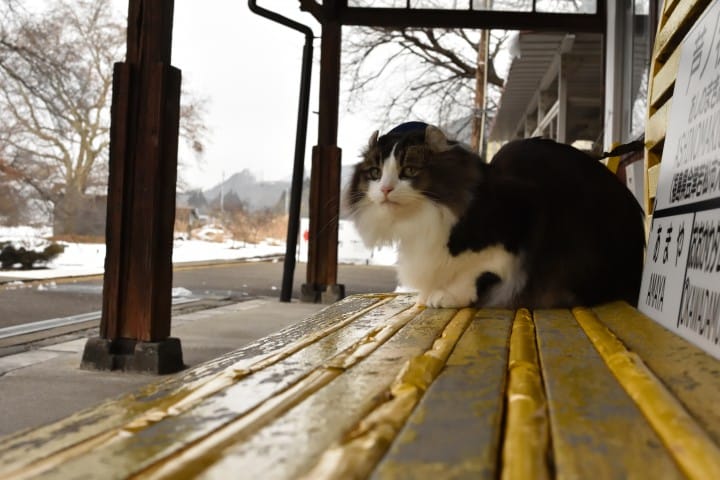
[373,139]
[436,139]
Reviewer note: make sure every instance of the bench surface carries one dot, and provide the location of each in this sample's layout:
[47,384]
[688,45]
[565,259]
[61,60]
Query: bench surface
[375,386]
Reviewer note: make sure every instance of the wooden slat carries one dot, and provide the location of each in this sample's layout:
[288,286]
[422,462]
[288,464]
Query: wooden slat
[657,126]
[240,407]
[651,161]
[444,440]
[525,451]
[668,7]
[664,80]
[676,20]
[674,29]
[332,420]
[691,374]
[38,445]
[693,450]
[328,397]
[597,430]
[653,178]
[245,406]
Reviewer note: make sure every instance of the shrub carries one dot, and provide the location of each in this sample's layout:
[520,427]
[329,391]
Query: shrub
[11,256]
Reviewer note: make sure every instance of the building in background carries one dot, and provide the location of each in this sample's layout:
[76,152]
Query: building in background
[584,89]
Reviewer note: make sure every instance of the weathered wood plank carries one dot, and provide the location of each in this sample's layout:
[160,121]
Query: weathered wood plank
[657,126]
[233,402]
[26,448]
[143,166]
[676,26]
[330,395]
[693,450]
[653,177]
[294,442]
[455,431]
[691,374]
[597,430]
[664,80]
[525,451]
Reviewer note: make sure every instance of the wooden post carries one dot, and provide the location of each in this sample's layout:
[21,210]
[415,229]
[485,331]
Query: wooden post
[562,133]
[325,179]
[135,325]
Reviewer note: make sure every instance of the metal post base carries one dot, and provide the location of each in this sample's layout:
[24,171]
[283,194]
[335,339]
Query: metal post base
[129,355]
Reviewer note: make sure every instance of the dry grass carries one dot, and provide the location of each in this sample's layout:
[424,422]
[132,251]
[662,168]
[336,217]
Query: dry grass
[72,238]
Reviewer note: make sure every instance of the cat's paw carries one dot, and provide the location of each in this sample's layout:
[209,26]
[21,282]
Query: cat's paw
[445,299]
[421,300]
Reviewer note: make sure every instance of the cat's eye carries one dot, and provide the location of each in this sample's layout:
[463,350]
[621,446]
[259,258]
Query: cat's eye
[373,173]
[409,172]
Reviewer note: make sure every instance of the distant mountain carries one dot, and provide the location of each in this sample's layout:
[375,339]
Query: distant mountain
[246,187]
[257,195]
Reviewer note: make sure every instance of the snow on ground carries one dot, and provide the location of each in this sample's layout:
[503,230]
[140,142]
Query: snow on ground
[80,259]
[350,247]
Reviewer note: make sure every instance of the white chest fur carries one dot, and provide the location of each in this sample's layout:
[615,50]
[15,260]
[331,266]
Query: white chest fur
[394,212]
[444,280]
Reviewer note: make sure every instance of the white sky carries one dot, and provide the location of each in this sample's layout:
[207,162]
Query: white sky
[249,69]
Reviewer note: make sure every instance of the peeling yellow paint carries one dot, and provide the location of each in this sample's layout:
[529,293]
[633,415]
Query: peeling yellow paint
[199,455]
[687,442]
[359,452]
[525,450]
[180,401]
[218,422]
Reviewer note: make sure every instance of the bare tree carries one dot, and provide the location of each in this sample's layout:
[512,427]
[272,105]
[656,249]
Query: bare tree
[55,92]
[420,69]
[426,73]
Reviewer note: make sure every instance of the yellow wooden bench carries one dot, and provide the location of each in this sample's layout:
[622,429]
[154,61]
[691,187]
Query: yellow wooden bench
[374,385]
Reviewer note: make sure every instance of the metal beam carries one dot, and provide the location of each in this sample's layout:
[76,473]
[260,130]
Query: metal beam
[338,10]
[483,19]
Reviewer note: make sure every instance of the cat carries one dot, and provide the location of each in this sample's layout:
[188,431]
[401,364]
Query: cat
[543,225]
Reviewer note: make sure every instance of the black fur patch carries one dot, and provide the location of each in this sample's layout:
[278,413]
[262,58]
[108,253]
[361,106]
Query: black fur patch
[484,283]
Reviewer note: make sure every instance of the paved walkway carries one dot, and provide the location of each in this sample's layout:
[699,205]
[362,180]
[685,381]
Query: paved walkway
[43,385]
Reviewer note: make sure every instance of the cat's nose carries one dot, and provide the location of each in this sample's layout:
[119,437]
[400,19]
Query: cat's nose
[386,189]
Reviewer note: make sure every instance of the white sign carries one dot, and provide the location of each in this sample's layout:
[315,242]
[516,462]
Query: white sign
[681,279]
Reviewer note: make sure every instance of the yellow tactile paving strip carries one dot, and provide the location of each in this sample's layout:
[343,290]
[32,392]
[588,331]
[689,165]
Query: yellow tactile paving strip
[375,386]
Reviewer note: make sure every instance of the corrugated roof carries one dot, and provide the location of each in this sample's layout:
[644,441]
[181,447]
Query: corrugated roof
[529,73]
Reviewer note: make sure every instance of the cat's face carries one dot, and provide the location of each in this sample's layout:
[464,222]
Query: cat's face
[403,174]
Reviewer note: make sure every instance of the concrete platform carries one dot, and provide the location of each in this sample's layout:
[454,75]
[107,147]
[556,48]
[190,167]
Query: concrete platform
[45,384]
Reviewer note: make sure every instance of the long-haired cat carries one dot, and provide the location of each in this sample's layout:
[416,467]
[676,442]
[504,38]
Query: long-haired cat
[543,225]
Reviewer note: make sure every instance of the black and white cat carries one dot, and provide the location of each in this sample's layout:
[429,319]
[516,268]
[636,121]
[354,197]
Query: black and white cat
[543,225]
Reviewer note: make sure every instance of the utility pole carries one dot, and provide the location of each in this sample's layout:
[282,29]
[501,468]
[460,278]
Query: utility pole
[477,138]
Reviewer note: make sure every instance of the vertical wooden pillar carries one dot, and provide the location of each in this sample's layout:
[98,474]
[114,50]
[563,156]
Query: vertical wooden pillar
[135,325]
[325,179]
[562,100]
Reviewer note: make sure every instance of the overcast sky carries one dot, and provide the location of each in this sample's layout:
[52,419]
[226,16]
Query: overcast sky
[249,69]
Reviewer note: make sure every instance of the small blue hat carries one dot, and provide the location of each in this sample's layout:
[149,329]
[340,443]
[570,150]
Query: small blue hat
[409,127]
